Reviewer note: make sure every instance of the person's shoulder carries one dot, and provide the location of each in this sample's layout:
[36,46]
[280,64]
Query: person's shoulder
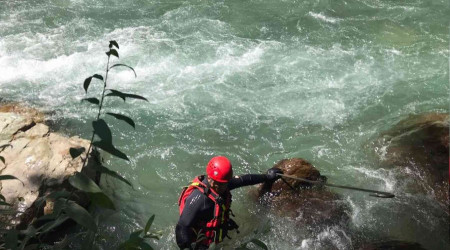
[196,196]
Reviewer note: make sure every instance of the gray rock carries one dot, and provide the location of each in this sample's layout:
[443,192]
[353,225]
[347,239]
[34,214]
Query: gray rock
[37,157]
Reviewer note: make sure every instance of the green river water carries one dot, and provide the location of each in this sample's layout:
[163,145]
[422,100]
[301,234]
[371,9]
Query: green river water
[255,80]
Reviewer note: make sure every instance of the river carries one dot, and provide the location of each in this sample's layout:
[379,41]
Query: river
[255,80]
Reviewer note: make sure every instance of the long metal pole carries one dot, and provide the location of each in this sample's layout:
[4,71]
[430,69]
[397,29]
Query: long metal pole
[374,193]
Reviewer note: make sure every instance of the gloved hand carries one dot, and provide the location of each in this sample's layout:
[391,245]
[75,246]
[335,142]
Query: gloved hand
[272,174]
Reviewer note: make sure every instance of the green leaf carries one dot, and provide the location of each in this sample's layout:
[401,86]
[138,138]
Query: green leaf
[135,234]
[102,200]
[123,65]
[102,130]
[133,241]
[125,95]
[105,170]
[151,236]
[39,202]
[58,194]
[12,238]
[58,205]
[92,100]
[80,215]
[149,224]
[88,241]
[130,244]
[36,246]
[259,243]
[88,80]
[8,212]
[83,183]
[123,118]
[30,231]
[113,43]
[2,203]
[108,147]
[2,159]
[2,197]
[112,52]
[7,177]
[154,235]
[63,244]
[145,246]
[52,224]
[46,217]
[100,77]
[75,152]
[86,83]
[2,147]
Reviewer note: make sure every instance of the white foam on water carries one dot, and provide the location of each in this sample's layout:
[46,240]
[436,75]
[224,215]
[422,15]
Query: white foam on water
[58,69]
[394,52]
[384,175]
[382,149]
[322,17]
[207,84]
[330,237]
[226,63]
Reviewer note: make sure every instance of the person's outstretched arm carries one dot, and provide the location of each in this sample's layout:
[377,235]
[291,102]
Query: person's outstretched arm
[252,179]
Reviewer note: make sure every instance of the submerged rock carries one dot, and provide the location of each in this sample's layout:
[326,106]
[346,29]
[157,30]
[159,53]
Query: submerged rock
[40,159]
[420,144]
[308,205]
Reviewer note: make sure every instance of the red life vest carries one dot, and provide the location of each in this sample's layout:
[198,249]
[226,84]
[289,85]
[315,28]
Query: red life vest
[214,230]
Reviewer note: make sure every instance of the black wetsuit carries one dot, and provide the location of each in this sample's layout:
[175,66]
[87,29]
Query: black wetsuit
[198,207]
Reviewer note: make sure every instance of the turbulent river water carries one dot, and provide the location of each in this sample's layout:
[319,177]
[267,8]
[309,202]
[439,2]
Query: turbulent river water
[255,80]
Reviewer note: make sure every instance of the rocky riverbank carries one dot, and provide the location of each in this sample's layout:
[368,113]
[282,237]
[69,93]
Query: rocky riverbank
[38,158]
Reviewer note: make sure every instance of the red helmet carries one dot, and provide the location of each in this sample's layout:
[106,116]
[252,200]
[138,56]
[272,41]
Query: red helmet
[219,169]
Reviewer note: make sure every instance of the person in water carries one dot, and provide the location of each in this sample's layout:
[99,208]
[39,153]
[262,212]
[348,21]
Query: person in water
[205,204]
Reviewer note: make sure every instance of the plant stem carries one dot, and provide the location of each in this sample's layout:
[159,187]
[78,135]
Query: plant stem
[99,112]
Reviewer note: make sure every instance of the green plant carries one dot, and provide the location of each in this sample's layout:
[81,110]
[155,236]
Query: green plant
[258,233]
[65,207]
[101,139]
[3,147]
[244,246]
[137,238]
[4,206]
[253,241]
[10,235]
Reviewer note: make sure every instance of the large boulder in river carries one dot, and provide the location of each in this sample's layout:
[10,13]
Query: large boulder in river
[420,145]
[308,205]
[39,158]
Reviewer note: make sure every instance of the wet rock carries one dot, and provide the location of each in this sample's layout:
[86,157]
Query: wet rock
[420,145]
[38,158]
[308,205]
